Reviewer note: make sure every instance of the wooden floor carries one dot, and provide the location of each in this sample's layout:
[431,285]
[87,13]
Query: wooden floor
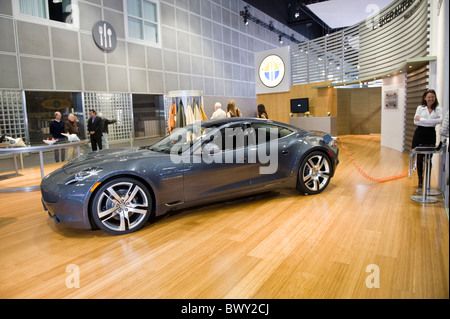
[337,244]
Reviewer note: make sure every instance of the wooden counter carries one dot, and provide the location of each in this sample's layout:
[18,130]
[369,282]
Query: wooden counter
[325,124]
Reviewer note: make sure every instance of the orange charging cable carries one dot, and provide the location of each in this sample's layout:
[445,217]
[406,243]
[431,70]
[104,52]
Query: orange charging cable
[363,173]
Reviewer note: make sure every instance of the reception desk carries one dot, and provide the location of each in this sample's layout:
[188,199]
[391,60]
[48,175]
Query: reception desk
[325,124]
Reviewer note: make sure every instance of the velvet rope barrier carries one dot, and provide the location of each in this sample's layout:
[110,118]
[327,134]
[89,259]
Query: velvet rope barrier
[367,176]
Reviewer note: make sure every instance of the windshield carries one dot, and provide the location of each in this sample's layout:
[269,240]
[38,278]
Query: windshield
[182,139]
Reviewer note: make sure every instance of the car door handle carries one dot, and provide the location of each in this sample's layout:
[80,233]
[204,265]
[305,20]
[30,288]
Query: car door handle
[285,152]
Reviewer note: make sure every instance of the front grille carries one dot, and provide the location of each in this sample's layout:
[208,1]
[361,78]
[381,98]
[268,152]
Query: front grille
[49,197]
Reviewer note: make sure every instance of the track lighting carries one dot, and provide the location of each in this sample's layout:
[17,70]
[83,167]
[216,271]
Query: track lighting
[247,16]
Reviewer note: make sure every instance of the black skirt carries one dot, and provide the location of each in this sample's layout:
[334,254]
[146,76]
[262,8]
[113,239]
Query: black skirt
[425,136]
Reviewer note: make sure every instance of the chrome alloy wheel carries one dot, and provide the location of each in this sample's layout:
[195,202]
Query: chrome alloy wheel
[121,207]
[315,173]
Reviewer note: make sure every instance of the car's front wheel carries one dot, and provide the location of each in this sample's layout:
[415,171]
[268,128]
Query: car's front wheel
[121,206]
[314,173]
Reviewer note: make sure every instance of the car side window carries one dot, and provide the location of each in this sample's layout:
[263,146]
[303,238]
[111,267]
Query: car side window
[233,137]
[277,132]
[229,138]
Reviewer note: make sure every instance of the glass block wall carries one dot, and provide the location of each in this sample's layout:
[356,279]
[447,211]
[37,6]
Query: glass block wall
[12,114]
[113,106]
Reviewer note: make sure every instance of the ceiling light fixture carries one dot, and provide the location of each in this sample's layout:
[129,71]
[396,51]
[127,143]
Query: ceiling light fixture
[247,16]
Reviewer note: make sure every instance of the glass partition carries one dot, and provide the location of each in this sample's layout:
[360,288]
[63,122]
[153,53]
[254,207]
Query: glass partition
[41,108]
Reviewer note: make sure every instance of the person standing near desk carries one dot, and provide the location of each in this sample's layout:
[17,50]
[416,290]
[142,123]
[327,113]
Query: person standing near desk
[95,130]
[262,113]
[428,115]
[56,129]
[105,131]
[71,127]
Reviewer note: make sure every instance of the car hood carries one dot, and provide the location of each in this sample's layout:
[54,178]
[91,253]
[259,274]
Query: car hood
[109,156]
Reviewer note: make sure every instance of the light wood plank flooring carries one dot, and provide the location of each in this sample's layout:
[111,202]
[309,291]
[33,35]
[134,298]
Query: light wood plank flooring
[278,245]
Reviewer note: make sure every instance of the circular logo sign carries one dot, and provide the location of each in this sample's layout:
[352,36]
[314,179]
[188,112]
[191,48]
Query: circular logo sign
[104,36]
[271,71]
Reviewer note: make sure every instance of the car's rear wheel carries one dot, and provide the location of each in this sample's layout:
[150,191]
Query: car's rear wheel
[121,206]
[314,173]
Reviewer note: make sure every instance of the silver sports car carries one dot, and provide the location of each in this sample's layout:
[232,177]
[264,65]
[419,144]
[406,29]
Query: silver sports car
[118,190]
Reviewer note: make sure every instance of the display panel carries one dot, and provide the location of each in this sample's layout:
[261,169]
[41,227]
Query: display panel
[300,105]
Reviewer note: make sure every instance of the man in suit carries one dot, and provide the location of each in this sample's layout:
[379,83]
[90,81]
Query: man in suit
[95,130]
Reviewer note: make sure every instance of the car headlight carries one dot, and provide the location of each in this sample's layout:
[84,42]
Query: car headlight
[330,140]
[83,174]
[333,142]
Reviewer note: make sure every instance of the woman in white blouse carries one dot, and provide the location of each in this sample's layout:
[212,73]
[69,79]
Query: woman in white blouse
[428,115]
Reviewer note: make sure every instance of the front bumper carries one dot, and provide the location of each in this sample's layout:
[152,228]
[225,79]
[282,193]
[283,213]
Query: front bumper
[66,204]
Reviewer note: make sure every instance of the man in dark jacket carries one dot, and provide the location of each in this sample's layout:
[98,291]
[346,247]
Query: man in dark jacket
[95,130]
[105,131]
[56,128]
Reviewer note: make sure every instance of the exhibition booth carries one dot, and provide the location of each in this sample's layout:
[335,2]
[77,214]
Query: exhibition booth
[371,234]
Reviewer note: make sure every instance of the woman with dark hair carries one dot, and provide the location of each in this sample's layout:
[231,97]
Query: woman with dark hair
[428,115]
[262,113]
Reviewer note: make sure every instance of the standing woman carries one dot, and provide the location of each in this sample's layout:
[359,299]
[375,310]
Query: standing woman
[232,110]
[427,116]
[262,113]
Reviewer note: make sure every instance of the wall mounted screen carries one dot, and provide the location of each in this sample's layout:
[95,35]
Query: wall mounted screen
[300,105]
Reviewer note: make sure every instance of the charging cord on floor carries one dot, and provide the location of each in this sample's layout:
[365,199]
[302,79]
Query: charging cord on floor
[367,176]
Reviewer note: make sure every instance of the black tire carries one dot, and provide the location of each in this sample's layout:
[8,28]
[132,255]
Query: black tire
[314,173]
[121,206]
